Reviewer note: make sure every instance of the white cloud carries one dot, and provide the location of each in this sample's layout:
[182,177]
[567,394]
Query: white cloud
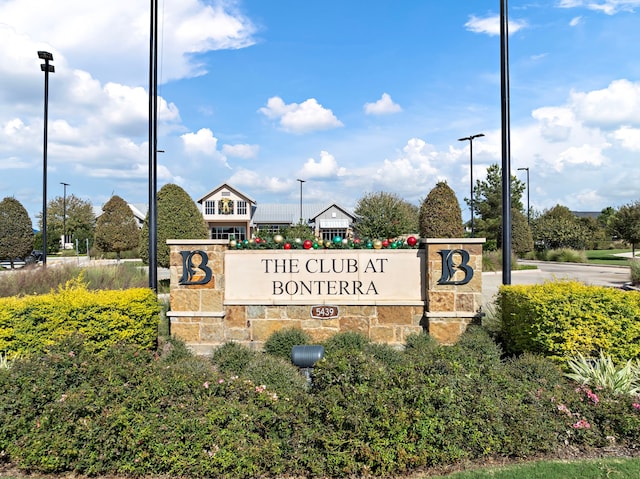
[582,155]
[555,123]
[114,43]
[202,141]
[326,167]
[575,21]
[490,25]
[618,103]
[417,168]
[241,151]
[628,137]
[257,182]
[297,118]
[610,7]
[383,106]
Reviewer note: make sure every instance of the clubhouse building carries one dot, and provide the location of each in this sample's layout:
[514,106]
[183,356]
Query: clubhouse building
[228,213]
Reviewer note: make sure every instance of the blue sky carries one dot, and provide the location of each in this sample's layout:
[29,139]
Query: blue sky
[354,97]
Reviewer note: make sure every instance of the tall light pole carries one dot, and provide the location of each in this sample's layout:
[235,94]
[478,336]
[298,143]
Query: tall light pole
[506,142]
[528,208]
[46,68]
[301,181]
[153,146]
[64,215]
[470,139]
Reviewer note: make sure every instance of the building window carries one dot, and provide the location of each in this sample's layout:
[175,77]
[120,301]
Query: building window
[225,206]
[242,207]
[228,232]
[270,229]
[330,233]
[209,207]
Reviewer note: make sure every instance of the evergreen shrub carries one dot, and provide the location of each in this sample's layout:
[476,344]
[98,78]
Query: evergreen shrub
[232,357]
[563,318]
[136,413]
[346,341]
[33,324]
[276,374]
[281,342]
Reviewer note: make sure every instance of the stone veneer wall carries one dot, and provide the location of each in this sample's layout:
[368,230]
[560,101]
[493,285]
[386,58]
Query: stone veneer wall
[451,308]
[199,316]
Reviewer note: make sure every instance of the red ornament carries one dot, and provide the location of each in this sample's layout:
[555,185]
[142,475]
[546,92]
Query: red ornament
[258,240]
[287,246]
[411,240]
[308,244]
[385,243]
[356,241]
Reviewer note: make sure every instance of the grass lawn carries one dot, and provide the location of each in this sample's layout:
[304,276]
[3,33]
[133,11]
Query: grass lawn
[607,256]
[622,468]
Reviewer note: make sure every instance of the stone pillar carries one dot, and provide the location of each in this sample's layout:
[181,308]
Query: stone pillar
[197,311]
[454,286]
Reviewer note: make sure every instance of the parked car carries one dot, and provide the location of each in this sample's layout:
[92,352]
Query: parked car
[34,257]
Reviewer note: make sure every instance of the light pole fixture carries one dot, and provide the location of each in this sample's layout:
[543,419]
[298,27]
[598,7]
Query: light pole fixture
[528,208]
[301,181]
[470,139]
[64,215]
[46,68]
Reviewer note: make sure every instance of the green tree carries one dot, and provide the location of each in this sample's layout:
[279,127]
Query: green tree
[116,228]
[79,220]
[626,224]
[440,215]
[605,219]
[178,218]
[385,215]
[559,228]
[487,203]
[16,230]
[521,237]
[598,235]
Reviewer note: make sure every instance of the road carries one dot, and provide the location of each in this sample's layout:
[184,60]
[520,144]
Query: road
[599,275]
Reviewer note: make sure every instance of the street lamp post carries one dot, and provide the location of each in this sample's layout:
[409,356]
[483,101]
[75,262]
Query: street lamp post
[64,215]
[46,68]
[153,146]
[470,139]
[301,181]
[506,142]
[528,208]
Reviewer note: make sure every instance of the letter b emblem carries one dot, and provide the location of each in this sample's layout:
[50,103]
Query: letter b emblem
[449,268]
[189,268]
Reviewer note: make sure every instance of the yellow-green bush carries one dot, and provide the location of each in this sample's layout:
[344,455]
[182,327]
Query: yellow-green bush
[33,324]
[564,318]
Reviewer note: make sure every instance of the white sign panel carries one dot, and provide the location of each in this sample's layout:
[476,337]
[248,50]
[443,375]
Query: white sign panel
[324,277]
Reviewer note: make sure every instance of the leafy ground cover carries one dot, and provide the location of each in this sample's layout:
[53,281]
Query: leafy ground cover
[370,410]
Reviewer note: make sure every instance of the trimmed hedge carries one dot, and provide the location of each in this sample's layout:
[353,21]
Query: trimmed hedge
[33,324]
[564,318]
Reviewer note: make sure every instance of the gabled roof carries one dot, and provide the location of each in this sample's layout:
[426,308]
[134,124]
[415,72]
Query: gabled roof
[587,214]
[228,187]
[139,210]
[279,213]
[333,205]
